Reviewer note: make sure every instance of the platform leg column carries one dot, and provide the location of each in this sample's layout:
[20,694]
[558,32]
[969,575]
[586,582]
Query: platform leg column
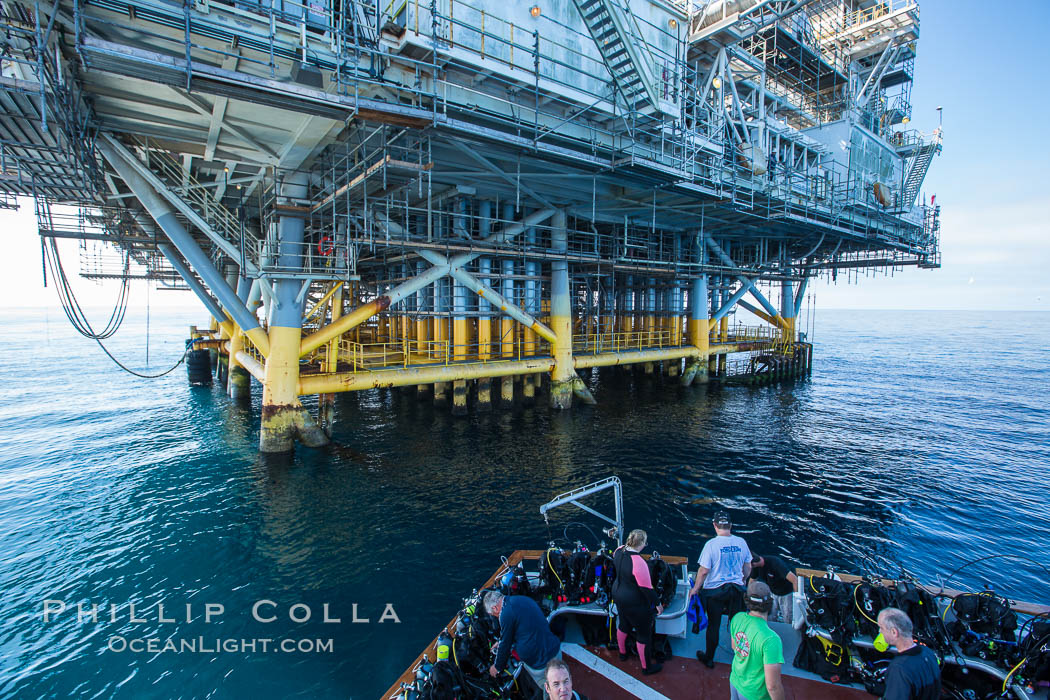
[563,376]
[459,397]
[698,330]
[283,418]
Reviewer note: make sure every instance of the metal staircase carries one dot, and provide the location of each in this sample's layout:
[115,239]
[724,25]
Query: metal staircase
[624,55]
[920,164]
[235,239]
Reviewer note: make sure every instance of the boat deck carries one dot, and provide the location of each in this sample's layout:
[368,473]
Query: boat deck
[680,678]
[598,673]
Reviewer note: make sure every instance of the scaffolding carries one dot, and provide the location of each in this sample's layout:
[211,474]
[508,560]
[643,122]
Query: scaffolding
[432,190]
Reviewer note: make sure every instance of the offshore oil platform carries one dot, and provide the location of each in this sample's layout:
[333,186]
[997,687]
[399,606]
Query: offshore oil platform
[470,197]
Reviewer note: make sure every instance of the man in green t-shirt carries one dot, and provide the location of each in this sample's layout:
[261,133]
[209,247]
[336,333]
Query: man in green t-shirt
[757,650]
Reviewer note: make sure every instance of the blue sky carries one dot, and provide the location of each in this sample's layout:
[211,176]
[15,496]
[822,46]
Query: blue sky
[985,64]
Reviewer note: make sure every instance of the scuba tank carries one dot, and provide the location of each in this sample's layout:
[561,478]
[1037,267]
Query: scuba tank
[663,579]
[444,645]
[554,575]
[600,575]
[515,582]
[579,562]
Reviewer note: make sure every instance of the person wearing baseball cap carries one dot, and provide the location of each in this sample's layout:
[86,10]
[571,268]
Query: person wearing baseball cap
[725,564]
[758,651]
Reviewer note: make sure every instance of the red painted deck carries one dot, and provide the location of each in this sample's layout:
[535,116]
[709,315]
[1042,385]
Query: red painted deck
[688,678]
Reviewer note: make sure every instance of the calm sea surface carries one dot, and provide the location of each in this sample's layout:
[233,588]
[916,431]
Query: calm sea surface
[921,441]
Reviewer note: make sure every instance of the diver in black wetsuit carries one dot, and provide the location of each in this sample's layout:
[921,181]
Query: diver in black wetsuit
[636,602]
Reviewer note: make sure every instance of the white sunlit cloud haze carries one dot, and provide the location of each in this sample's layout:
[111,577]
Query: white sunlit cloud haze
[989,180]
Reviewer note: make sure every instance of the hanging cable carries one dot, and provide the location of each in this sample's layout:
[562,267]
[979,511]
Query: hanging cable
[71,307]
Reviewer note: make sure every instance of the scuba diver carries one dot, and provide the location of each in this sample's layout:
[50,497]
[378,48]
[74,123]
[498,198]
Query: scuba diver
[524,628]
[636,602]
[914,674]
[725,563]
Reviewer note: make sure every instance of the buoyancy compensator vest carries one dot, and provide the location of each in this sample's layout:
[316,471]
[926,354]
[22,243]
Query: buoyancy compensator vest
[515,582]
[442,683]
[663,578]
[579,562]
[831,606]
[984,613]
[921,608]
[869,599]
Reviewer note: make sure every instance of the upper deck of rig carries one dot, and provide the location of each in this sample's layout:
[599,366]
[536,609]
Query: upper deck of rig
[416,183]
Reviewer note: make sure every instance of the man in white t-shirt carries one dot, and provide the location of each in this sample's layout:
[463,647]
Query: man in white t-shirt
[725,564]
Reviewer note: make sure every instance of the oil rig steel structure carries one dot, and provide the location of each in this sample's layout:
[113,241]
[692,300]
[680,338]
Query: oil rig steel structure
[470,196]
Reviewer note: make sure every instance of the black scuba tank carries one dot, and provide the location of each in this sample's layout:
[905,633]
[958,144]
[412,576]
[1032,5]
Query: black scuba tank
[579,562]
[554,575]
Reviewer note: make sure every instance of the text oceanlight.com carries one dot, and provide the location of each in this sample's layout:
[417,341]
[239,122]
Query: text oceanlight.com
[203,645]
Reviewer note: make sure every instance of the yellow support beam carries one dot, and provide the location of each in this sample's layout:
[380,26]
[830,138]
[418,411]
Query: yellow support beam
[429,374]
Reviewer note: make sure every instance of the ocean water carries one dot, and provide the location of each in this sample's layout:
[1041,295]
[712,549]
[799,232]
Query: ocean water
[921,442]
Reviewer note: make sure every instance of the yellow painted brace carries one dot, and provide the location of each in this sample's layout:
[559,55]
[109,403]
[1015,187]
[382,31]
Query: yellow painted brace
[430,374]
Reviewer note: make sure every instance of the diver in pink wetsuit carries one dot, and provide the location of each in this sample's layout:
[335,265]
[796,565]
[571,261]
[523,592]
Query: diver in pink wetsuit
[637,604]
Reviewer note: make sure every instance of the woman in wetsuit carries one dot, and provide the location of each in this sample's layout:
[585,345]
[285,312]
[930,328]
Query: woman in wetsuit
[636,601]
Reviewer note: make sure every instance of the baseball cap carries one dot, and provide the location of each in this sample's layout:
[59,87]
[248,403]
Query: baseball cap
[722,518]
[758,592]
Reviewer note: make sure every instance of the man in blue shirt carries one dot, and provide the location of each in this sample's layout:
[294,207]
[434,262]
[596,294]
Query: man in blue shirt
[524,628]
[915,673]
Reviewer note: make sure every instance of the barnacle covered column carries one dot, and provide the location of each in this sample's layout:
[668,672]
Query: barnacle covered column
[698,329]
[240,383]
[283,418]
[563,374]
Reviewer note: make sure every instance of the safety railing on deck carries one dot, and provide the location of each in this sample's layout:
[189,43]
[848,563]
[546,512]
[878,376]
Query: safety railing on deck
[622,341]
[402,353]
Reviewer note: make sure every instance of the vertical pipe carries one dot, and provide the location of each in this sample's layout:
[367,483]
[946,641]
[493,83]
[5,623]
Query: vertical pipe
[712,360]
[532,305]
[422,321]
[628,309]
[460,339]
[484,385]
[564,373]
[507,329]
[724,327]
[240,386]
[607,305]
[441,338]
[422,345]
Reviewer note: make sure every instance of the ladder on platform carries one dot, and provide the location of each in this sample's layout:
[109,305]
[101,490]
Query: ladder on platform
[624,54]
[920,164]
[236,239]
